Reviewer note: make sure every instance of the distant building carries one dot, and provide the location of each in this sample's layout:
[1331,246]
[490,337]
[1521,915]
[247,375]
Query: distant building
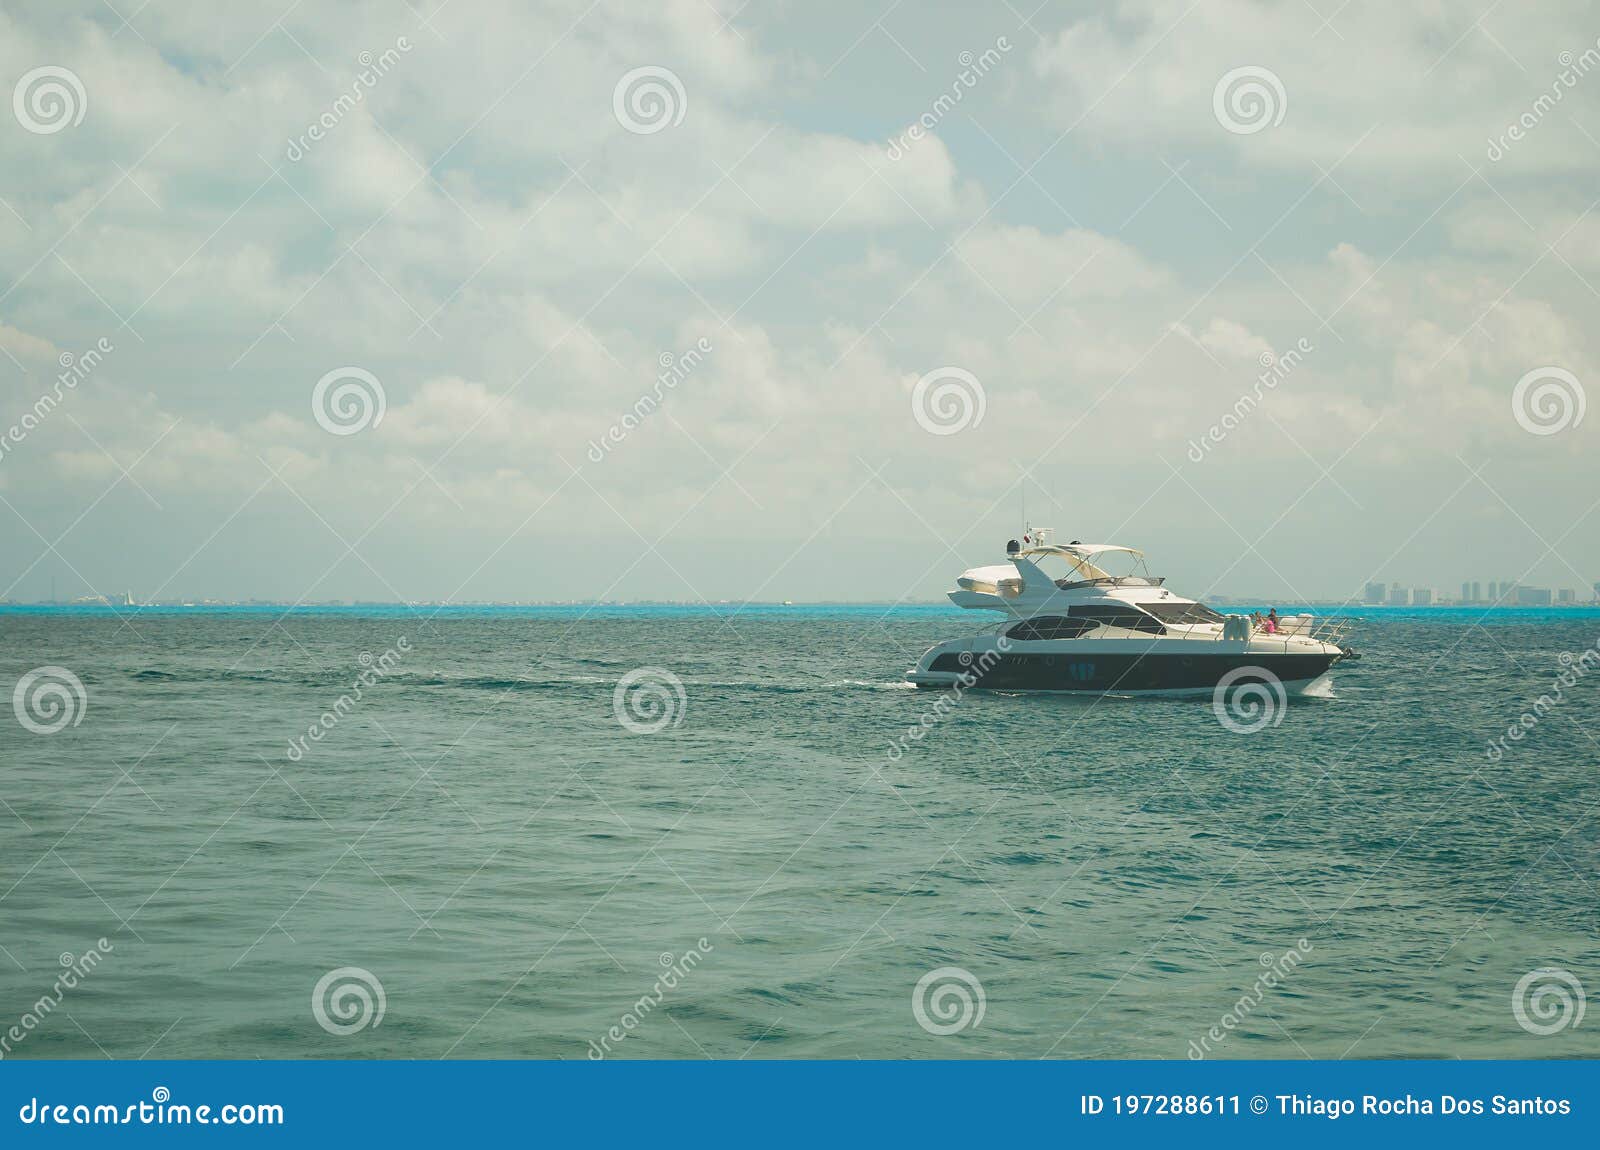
[1399,596]
[1466,593]
[1566,595]
[1422,596]
[1477,592]
[1376,595]
[1533,596]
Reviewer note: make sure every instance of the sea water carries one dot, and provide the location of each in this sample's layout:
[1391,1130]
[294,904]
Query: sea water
[508,857]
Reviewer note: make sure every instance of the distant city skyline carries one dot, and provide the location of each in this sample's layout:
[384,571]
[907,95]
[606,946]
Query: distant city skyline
[1395,594]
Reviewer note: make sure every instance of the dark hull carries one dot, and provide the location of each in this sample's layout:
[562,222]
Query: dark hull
[1105,673]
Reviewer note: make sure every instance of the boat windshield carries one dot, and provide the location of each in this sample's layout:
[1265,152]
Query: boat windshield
[1182,612]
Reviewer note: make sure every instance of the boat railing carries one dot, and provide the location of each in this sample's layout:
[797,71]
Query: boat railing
[1330,629]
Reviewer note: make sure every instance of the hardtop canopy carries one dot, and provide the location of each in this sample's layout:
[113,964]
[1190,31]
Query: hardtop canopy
[1079,556]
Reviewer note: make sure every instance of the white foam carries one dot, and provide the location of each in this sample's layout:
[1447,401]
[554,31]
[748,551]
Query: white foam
[1319,688]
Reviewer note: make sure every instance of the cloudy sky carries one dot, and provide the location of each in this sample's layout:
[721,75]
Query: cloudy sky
[487,226]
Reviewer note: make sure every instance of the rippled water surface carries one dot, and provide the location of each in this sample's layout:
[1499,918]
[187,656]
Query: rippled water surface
[517,870]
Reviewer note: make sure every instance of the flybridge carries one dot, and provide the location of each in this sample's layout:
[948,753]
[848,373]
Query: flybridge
[1022,585]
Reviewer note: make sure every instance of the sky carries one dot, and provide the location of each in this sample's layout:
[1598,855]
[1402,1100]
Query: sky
[700,300]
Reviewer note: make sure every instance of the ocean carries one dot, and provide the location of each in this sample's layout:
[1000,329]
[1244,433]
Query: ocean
[398,833]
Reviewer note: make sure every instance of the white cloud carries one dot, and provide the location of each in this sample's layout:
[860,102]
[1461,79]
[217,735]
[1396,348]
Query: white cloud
[514,300]
[25,346]
[1418,87]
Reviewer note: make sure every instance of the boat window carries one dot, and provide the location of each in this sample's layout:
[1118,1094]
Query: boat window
[1120,616]
[1049,627]
[1181,612]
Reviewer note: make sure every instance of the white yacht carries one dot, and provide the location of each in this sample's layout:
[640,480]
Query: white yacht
[1090,631]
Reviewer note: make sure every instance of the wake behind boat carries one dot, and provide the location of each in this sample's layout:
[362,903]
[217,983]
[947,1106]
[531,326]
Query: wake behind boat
[1089,631]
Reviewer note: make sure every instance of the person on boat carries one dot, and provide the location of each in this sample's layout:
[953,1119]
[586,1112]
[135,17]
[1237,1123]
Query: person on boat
[1255,620]
[1272,621]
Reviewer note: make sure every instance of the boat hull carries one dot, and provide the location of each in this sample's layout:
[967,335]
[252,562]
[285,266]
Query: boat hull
[1101,673]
